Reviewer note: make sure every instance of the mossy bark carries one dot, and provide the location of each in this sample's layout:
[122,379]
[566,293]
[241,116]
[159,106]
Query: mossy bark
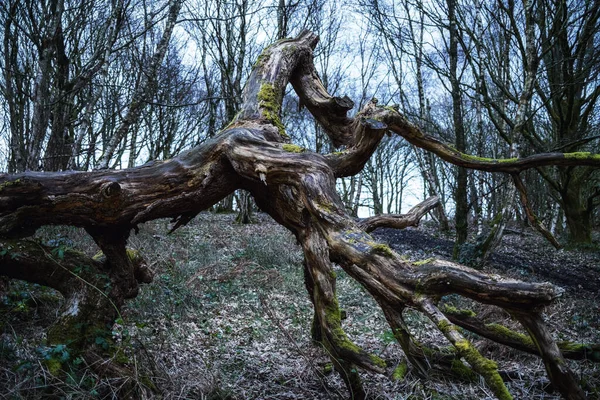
[93,293]
[579,223]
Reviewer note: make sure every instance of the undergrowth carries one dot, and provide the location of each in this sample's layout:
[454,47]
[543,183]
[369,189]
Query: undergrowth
[227,317]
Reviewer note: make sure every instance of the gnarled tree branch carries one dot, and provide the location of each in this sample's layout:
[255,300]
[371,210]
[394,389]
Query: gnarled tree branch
[411,218]
[298,190]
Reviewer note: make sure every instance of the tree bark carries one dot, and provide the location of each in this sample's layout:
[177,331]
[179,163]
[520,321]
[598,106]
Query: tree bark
[297,188]
[461,201]
[93,288]
[531,217]
[577,215]
[411,218]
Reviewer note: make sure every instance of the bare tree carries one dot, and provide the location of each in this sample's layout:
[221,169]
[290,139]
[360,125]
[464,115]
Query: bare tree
[401,27]
[460,192]
[145,89]
[297,188]
[227,34]
[46,69]
[539,93]
[569,93]
[173,120]
[62,60]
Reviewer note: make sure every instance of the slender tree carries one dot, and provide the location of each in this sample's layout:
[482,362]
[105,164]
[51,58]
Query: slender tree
[146,87]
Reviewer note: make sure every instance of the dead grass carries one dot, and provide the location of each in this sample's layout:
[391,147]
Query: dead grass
[227,317]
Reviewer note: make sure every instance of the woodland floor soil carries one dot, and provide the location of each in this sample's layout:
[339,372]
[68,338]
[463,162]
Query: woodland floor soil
[228,317]
[522,254]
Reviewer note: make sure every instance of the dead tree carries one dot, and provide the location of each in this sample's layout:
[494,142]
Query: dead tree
[297,188]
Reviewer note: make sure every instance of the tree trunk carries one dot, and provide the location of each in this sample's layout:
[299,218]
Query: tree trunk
[460,192]
[486,243]
[297,188]
[579,223]
[94,289]
[245,208]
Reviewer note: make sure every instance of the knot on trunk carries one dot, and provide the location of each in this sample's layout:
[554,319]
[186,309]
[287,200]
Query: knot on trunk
[110,189]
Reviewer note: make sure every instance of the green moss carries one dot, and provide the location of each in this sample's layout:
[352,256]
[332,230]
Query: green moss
[332,314]
[266,53]
[342,342]
[449,309]
[334,321]
[54,366]
[261,59]
[270,104]
[593,355]
[501,330]
[429,352]
[382,248]
[268,96]
[378,361]
[423,262]
[292,148]
[583,155]
[400,371]
[339,338]
[486,368]
[327,369]
[570,346]
[469,157]
[6,184]
[462,371]
[134,256]
[264,56]
[327,207]
[446,326]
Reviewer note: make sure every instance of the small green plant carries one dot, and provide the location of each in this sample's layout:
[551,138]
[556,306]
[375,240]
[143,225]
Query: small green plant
[8,250]
[54,357]
[388,337]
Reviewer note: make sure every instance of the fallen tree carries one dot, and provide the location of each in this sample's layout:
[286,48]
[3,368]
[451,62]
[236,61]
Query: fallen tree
[297,188]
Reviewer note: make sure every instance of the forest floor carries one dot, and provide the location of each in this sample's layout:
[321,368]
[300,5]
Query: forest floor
[228,317]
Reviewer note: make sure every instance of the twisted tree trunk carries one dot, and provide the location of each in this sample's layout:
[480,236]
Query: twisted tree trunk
[297,188]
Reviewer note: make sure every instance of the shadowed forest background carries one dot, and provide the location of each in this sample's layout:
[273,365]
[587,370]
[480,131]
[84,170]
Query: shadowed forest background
[91,85]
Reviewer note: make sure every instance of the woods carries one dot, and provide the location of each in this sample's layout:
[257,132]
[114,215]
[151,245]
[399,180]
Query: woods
[243,137]
[297,189]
